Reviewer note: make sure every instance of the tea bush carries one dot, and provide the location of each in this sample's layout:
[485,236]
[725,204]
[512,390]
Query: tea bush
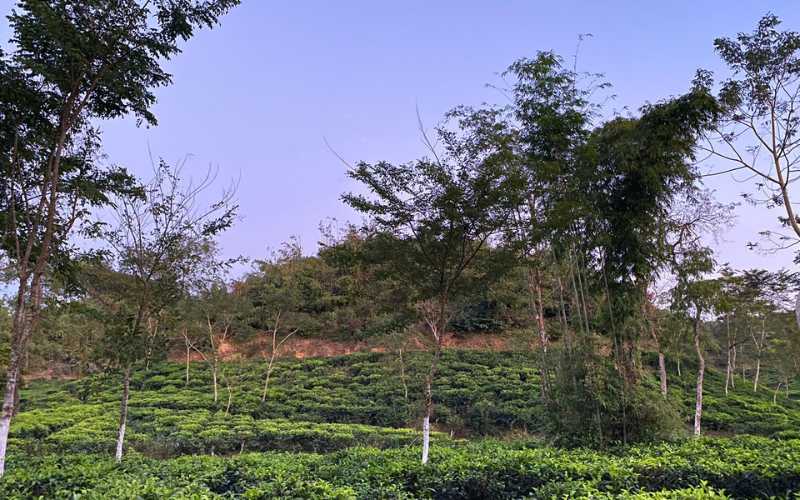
[706,468]
[476,393]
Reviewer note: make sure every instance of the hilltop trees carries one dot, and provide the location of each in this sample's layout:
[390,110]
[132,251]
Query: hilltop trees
[72,63]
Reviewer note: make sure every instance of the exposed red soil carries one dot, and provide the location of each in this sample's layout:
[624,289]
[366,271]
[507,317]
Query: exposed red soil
[300,347]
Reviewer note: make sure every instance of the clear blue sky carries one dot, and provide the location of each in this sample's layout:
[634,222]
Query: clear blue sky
[257,95]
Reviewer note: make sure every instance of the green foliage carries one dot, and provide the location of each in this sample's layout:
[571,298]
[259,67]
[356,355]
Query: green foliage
[311,434]
[704,468]
[477,392]
[340,293]
[591,405]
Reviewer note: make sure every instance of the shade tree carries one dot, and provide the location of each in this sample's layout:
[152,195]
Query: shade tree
[69,65]
[435,218]
[160,249]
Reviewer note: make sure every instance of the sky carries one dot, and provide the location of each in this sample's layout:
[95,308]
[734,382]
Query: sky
[260,97]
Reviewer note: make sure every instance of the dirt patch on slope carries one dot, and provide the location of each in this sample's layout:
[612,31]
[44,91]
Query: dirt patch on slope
[302,347]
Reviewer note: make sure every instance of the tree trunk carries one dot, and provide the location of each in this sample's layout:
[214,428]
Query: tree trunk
[662,373]
[426,435]
[230,395]
[266,381]
[662,365]
[535,292]
[729,361]
[426,421]
[797,309]
[728,372]
[214,380]
[403,374]
[701,369]
[758,373]
[123,412]
[22,324]
[187,363]
[9,404]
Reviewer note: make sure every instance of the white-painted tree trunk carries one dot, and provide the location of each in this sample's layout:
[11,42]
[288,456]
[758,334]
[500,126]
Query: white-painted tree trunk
[426,438]
[728,373]
[214,378]
[701,369]
[8,409]
[123,414]
[757,375]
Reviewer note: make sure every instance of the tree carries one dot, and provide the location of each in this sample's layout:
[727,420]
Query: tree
[273,351]
[212,316]
[631,173]
[759,125]
[696,296]
[755,299]
[161,249]
[72,63]
[436,218]
[546,123]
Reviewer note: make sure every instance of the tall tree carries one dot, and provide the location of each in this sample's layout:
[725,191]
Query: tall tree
[631,173]
[437,218]
[694,295]
[544,125]
[71,64]
[760,121]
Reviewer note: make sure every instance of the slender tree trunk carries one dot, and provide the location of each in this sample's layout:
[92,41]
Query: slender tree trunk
[426,421]
[9,406]
[729,360]
[271,357]
[123,412]
[759,351]
[757,374]
[535,293]
[775,394]
[662,364]
[403,374]
[230,395]
[728,372]
[701,369]
[274,353]
[188,351]
[662,372]
[214,379]
[266,380]
[437,326]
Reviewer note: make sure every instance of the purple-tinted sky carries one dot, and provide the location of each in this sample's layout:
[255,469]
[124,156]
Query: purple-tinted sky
[258,95]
